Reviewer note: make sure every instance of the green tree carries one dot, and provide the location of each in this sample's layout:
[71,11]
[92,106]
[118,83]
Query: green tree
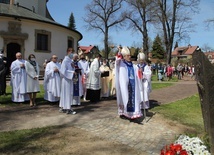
[71,23]
[157,48]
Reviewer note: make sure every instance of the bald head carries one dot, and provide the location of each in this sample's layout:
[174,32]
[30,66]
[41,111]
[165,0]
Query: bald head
[19,55]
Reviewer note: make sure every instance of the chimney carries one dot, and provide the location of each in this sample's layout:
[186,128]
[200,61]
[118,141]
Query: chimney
[11,2]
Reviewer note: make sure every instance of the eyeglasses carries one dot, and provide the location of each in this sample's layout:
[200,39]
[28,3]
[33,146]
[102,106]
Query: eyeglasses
[55,58]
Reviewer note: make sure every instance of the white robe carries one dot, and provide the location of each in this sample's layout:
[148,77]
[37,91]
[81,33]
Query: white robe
[94,77]
[85,68]
[52,82]
[121,82]
[66,72]
[32,84]
[146,87]
[76,99]
[18,81]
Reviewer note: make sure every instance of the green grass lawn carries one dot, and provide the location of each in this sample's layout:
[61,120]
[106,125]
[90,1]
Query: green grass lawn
[174,79]
[186,111]
[6,100]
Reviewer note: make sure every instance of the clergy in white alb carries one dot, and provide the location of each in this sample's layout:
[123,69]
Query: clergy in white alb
[52,80]
[19,79]
[146,80]
[93,84]
[85,70]
[77,81]
[127,86]
[67,72]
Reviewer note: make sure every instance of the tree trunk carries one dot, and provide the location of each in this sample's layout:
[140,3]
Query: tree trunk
[106,43]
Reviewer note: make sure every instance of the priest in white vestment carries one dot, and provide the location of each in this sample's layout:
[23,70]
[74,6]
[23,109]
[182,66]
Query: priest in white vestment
[67,72]
[19,79]
[146,80]
[105,81]
[85,70]
[127,86]
[52,80]
[93,84]
[77,81]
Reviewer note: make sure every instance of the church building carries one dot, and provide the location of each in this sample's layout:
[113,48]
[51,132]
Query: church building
[26,26]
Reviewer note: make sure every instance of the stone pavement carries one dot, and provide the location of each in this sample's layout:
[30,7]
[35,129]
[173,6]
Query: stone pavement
[101,120]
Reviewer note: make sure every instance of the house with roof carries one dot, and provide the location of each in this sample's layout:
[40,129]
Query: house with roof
[89,51]
[26,26]
[210,56]
[184,52]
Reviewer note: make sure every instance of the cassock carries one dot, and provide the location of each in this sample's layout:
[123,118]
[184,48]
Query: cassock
[85,70]
[18,81]
[3,71]
[93,84]
[145,84]
[67,73]
[127,89]
[77,84]
[52,82]
[105,81]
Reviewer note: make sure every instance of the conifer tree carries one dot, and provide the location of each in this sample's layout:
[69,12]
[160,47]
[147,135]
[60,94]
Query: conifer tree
[71,23]
[157,48]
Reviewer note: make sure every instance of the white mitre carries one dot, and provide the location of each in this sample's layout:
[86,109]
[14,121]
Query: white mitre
[125,51]
[141,56]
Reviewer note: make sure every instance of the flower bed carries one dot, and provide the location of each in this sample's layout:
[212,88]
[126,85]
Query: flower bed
[185,145]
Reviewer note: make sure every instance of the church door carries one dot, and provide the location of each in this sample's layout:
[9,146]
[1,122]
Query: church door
[12,49]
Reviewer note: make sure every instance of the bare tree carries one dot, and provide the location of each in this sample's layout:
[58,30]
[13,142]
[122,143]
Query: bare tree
[206,48]
[102,15]
[175,18]
[140,15]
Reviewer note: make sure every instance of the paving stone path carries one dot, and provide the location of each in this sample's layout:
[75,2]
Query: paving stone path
[101,120]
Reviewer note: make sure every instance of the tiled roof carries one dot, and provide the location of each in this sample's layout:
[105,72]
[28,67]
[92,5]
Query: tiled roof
[190,50]
[211,53]
[86,49]
[186,50]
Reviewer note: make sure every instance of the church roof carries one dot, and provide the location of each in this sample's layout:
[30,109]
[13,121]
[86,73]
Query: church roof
[22,13]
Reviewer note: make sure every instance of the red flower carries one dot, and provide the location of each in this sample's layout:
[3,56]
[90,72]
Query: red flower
[173,149]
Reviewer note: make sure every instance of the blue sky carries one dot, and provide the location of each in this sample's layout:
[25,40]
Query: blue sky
[60,10]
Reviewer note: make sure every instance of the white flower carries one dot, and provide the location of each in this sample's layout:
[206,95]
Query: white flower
[194,145]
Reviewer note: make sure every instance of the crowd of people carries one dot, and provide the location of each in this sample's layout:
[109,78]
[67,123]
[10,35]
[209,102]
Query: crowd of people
[74,78]
[166,72]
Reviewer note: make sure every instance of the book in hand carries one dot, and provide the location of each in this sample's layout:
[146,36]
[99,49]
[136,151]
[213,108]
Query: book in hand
[77,70]
[105,74]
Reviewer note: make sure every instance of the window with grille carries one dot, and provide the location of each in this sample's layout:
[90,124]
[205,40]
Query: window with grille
[42,41]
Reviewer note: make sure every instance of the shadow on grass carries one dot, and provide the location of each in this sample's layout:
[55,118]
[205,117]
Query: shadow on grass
[23,140]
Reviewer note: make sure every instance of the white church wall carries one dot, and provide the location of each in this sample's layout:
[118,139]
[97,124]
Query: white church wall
[58,40]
